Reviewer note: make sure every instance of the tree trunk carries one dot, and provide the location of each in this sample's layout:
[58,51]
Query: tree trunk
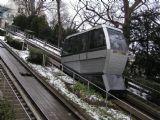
[32,7]
[59,23]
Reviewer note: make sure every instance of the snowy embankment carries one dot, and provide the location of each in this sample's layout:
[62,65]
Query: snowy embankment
[39,42]
[17,38]
[57,79]
[2,38]
[45,45]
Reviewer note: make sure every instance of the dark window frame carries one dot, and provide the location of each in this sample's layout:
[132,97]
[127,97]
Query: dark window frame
[96,48]
[87,43]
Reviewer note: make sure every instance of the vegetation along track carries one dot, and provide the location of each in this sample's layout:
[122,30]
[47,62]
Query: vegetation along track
[141,111]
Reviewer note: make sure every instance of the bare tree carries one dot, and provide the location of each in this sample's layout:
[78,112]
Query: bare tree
[59,22]
[61,18]
[115,12]
[32,7]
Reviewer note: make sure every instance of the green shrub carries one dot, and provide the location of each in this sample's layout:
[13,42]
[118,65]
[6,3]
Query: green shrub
[35,56]
[82,90]
[14,43]
[6,111]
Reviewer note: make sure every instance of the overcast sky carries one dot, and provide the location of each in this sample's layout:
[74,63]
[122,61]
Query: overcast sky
[3,2]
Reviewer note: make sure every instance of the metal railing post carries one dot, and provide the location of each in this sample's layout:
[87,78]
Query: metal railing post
[106,100]
[73,82]
[44,60]
[23,46]
[4,85]
[88,86]
[62,68]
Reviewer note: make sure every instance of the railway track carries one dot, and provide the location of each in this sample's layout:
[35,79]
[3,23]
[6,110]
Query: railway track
[59,108]
[128,106]
[12,95]
[138,107]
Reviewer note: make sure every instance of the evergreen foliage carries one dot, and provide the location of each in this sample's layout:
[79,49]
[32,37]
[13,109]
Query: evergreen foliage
[35,56]
[40,26]
[6,111]
[14,43]
[21,21]
[145,46]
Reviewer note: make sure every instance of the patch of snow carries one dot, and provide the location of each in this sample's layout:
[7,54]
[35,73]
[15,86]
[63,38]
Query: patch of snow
[44,45]
[22,54]
[20,37]
[54,79]
[21,34]
[138,93]
[60,86]
[51,49]
[2,38]
[94,98]
[68,79]
[16,38]
[2,29]
[137,86]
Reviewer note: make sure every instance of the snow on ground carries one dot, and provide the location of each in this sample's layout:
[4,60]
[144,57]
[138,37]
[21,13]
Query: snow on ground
[46,46]
[2,38]
[53,77]
[60,86]
[22,54]
[16,37]
[20,36]
[2,29]
[51,49]
[138,92]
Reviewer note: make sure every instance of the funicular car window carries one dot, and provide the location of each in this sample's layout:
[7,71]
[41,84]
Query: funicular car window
[117,40]
[66,47]
[97,39]
[84,38]
[76,44]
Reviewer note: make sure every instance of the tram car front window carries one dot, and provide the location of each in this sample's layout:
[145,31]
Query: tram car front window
[117,40]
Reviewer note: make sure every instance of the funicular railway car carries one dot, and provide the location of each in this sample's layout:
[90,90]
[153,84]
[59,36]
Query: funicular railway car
[100,54]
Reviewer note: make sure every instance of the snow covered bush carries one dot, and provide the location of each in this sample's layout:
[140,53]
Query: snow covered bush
[35,56]
[15,43]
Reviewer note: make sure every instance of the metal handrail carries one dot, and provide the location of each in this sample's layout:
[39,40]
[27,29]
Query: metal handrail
[107,93]
[16,95]
[36,39]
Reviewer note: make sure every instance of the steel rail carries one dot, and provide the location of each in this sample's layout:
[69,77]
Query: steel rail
[15,95]
[46,85]
[148,88]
